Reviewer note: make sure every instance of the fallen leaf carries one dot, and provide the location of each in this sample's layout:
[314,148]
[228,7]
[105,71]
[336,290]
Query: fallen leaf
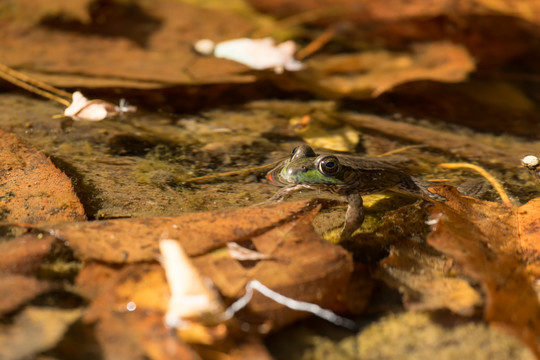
[371,73]
[132,240]
[482,238]
[420,274]
[128,44]
[396,23]
[305,268]
[33,189]
[35,330]
[127,302]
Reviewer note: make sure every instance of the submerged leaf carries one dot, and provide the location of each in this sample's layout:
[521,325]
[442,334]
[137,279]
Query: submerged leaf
[370,74]
[131,240]
[482,238]
[418,272]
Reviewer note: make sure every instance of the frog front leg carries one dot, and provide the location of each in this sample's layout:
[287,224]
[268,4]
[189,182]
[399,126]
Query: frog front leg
[287,191]
[354,216]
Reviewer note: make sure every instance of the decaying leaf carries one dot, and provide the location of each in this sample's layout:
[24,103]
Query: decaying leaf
[420,273]
[33,189]
[369,74]
[44,326]
[130,44]
[131,240]
[302,267]
[482,238]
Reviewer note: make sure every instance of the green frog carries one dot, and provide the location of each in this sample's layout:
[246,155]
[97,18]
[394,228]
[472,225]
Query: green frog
[347,175]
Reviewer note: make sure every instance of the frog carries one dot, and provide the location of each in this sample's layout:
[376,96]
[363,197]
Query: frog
[350,176]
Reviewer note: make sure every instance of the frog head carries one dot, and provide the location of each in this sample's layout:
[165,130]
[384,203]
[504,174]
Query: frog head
[306,167]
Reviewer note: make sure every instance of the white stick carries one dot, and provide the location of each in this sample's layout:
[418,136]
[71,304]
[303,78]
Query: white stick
[288,302]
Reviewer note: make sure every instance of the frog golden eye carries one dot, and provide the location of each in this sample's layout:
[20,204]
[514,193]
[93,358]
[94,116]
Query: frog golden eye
[329,165]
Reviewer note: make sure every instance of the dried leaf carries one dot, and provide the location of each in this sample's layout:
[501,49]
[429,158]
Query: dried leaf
[34,189]
[372,73]
[35,330]
[420,274]
[130,44]
[131,240]
[482,239]
[306,268]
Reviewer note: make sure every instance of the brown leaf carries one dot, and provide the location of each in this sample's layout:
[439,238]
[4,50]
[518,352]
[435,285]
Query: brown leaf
[35,330]
[129,44]
[124,334]
[34,189]
[131,240]
[305,268]
[482,239]
[16,290]
[418,272]
[372,73]
[25,254]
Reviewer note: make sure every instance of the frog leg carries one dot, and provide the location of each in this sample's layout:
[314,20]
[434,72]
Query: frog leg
[287,191]
[354,216]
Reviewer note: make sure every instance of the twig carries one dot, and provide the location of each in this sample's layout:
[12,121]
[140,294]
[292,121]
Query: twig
[316,44]
[35,86]
[498,187]
[404,148]
[288,302]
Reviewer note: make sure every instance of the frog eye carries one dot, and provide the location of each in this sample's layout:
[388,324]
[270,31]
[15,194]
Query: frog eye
[329,165]
[294,151]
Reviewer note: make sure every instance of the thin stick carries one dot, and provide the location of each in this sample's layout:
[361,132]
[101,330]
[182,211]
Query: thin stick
[35,82]
[33,89]
[404,148]
[288,302]
[316,44]
[299,19]
[230,173]
[498,187]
